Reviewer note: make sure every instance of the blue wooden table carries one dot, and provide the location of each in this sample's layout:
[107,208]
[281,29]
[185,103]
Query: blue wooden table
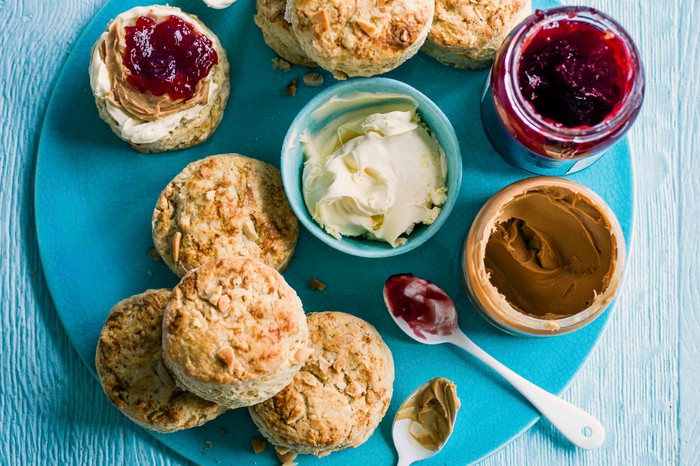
[641,381]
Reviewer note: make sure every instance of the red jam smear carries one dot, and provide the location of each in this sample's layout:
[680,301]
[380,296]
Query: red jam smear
[421,304]
[167,57]
[574,73]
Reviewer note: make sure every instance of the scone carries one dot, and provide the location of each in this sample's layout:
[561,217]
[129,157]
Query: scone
[278,33]
[224,206]
[234,332]
[468,34]
[363,37]
[160,78]
[339,396]
[130,367]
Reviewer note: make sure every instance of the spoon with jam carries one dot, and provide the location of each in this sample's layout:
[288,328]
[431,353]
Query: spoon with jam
[428,315]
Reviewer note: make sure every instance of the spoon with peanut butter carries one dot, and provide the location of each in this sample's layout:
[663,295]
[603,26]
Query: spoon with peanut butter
[425,420]
[428,315]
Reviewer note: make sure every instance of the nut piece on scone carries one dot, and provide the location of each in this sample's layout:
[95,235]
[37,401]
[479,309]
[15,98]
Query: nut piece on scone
[224,206]
[234,332]
[341,393]
[130,368]
[154,111]
[361,38]
[278,33]
[468,34]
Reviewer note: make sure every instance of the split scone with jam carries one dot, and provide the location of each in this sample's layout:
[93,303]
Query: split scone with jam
[160,78]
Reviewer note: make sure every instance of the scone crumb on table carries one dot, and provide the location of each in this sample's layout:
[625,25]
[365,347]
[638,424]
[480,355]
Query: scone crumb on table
[259,445]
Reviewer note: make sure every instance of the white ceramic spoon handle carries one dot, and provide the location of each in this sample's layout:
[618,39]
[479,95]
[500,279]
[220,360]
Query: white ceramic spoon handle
[582,429]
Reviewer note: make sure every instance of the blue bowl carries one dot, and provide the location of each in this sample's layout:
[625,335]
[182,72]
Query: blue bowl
[312,119]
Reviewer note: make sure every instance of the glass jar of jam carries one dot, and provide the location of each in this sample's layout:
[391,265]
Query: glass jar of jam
[566,84]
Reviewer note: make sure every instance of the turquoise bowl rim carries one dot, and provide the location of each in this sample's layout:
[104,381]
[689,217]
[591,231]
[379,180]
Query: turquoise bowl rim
[292,161]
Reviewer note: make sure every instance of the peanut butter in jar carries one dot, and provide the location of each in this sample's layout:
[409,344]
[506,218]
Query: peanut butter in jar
[544,256]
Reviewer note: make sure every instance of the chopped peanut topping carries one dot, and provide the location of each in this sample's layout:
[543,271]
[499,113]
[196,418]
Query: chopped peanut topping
[320,18]
[225,354]
[339,364]
[354,389]
[223,303]
[214,297]
[368,27]
[309,379]
[249,230]
[303,354]
[177,237]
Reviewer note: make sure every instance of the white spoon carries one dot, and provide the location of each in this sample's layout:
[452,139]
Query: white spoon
[427,314]
[410,450]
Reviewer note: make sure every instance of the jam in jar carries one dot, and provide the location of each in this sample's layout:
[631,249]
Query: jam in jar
[566,84]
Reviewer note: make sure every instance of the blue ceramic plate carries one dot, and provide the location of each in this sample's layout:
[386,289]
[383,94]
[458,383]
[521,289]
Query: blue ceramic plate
[95,196]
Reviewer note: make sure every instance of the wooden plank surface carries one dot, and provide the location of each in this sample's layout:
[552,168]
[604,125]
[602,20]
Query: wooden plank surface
[641,381]
[687,179]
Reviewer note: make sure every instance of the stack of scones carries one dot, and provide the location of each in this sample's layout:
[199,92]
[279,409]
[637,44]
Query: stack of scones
[233,333]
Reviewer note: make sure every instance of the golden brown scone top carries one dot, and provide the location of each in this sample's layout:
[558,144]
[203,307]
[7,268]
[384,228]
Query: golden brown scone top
[278,32]
[234,320]
[352,33]
[472,23]
[130,367]
[341,393]
[224,206]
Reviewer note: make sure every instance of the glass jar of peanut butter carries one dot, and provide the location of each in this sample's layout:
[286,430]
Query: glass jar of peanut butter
[544,256]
